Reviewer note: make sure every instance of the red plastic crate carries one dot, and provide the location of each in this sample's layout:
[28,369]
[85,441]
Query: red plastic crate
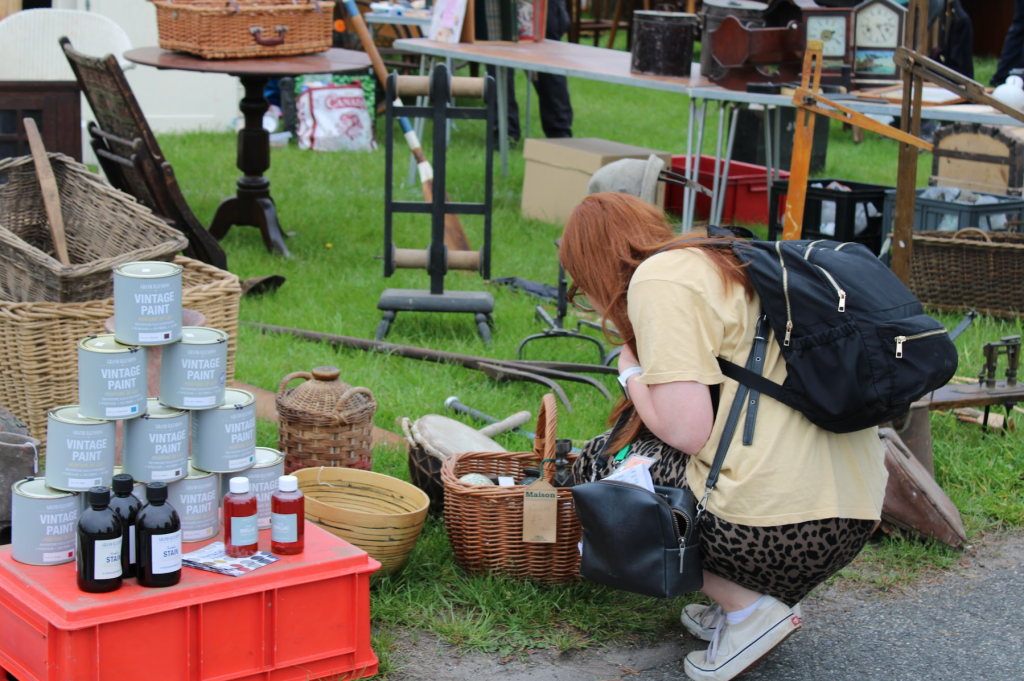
[746,193]
[303,617]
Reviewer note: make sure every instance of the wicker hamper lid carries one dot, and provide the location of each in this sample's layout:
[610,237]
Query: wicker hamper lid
[324,399]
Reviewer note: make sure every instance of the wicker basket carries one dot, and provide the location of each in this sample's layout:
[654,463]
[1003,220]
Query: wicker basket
[239,29]
[970,268]
[39,341]
[380,514]
[485,523]
[104,228]
[324,421]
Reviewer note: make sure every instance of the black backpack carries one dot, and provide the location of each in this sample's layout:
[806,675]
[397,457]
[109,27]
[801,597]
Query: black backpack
[858,347]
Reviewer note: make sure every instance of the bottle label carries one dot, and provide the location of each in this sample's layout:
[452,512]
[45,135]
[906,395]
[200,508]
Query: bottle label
[244,531]
[107,561]
[166,553]
[131,545]
[284,527]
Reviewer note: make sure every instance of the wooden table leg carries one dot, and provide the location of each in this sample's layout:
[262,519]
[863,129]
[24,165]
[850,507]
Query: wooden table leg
[252,204]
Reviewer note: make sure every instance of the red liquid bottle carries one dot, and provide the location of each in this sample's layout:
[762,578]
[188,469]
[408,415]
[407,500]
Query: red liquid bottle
[287,517]
[241,536]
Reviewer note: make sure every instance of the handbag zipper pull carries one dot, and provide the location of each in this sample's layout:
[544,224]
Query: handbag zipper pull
[682,547]
[899,346]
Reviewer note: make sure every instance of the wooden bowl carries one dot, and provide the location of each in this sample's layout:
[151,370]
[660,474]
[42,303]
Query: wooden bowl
[377,513]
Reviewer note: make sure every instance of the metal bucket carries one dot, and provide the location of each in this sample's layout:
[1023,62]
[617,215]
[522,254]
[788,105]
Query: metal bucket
[111,378]
[193,373]
[156,444]
[147,303]
[224,438]
[197,501]
[663,43]
[79,450]
[262,477]
[44,523]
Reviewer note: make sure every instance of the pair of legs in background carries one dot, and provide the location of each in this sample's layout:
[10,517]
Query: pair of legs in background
[756,576]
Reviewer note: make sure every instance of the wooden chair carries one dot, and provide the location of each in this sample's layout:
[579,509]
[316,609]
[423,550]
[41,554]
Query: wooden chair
[129,154]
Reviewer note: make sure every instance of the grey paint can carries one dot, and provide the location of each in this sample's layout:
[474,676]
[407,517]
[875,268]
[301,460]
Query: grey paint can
[155,445]
[196,498]
[43,523]
[147,302]
[111,378]
[79,450]
[262,477]
[193,373]
[224,438]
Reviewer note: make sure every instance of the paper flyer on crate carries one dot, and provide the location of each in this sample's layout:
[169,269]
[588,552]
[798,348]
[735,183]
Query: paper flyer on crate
[213,559]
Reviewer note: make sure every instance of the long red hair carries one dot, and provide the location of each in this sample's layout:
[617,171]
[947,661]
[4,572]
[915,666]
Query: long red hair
[606,238]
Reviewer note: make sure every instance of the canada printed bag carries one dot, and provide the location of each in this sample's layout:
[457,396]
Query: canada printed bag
[335,118]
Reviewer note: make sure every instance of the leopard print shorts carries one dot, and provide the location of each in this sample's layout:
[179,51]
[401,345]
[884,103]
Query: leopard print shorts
[784,561]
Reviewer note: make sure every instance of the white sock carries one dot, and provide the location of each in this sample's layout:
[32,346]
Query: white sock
[740,615]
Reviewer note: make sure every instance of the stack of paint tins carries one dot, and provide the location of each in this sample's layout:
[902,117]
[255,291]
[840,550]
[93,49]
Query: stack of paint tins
[195,432]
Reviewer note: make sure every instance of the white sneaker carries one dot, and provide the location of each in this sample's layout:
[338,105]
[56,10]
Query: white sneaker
[735,648]
[701,620]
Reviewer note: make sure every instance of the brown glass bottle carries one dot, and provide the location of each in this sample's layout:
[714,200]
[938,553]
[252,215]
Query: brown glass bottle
[287,517]
[127,508]
[158,540]
[98,552]
[241,533]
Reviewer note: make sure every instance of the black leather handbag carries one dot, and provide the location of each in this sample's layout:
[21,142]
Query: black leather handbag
[649,543]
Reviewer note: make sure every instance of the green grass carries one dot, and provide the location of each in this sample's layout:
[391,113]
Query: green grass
[335,203]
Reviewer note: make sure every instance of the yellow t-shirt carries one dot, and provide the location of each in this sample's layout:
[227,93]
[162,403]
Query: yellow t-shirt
[684,318]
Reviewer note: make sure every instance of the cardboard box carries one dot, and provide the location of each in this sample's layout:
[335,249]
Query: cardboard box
[558,170]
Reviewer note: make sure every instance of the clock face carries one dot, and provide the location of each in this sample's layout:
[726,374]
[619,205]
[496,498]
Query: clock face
[831,31]
[877,26]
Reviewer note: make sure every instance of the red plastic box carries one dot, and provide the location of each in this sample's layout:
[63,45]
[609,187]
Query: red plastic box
[303,617]
[746,192]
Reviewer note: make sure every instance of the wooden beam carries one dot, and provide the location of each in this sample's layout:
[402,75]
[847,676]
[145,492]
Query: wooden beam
[803,140]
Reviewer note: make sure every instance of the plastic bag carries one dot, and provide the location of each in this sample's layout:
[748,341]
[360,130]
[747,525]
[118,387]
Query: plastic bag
[335,118]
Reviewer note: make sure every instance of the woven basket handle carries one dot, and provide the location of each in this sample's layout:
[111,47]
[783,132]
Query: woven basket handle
[344,413]
[547,433]
[291,377]
[257,35]
[973,230]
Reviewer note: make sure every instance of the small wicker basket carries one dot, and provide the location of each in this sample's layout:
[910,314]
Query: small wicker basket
[952,271]
[240,29]
[324,421]
[104,228]
[485,523]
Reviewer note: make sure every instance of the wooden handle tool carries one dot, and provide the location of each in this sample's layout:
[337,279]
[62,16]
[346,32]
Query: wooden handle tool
[48,185]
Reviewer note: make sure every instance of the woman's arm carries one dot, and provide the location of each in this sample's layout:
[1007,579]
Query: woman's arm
[678,413]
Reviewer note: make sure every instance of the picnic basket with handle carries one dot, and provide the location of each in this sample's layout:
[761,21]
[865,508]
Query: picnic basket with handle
[324,421]
[485,522]
[239,29]
[984,270]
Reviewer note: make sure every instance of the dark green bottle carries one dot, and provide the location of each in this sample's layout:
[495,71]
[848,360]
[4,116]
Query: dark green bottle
[127,509]
[99,544]
[158,540]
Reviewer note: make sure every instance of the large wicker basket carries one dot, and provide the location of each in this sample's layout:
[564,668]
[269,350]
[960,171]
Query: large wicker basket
[38,341]
[239,29]
[970,268]
[485,523]
[324,421]
[104,228]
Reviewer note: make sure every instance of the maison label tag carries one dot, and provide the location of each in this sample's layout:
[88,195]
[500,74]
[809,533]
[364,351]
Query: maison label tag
[540,513]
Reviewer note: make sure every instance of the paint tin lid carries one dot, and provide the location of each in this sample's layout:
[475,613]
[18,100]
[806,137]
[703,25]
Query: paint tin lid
[105,343]
[36,488]
[148,269]
[201,335]
[69,414]
[155,410]
[234,397]
[195,473]
[267,457]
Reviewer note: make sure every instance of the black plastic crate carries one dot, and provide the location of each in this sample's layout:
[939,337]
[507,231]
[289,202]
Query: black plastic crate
[928,213]
[846,211]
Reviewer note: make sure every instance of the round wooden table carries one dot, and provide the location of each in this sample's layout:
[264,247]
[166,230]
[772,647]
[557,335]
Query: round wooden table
[252,204]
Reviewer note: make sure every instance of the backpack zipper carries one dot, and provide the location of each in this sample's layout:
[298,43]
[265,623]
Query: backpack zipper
[841,292]
[900,340]
[785,292]
[672,512]
[810,247]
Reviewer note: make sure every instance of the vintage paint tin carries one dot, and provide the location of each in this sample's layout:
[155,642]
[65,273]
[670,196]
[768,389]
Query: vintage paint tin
[155,445]
[43,523]
[193,372]
[111,378]
[79,450]
[147,302]
[262,477]
[224,438]
[196,498]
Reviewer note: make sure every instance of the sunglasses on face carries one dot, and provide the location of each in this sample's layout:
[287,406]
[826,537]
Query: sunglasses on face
[579,300]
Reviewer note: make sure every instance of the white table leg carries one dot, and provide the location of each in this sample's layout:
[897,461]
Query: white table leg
[734,112]
[723,109]
[769,158]
[502,117]
[696,166]
[686,167]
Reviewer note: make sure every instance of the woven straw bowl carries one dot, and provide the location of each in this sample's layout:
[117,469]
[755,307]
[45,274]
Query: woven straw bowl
[377,513]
